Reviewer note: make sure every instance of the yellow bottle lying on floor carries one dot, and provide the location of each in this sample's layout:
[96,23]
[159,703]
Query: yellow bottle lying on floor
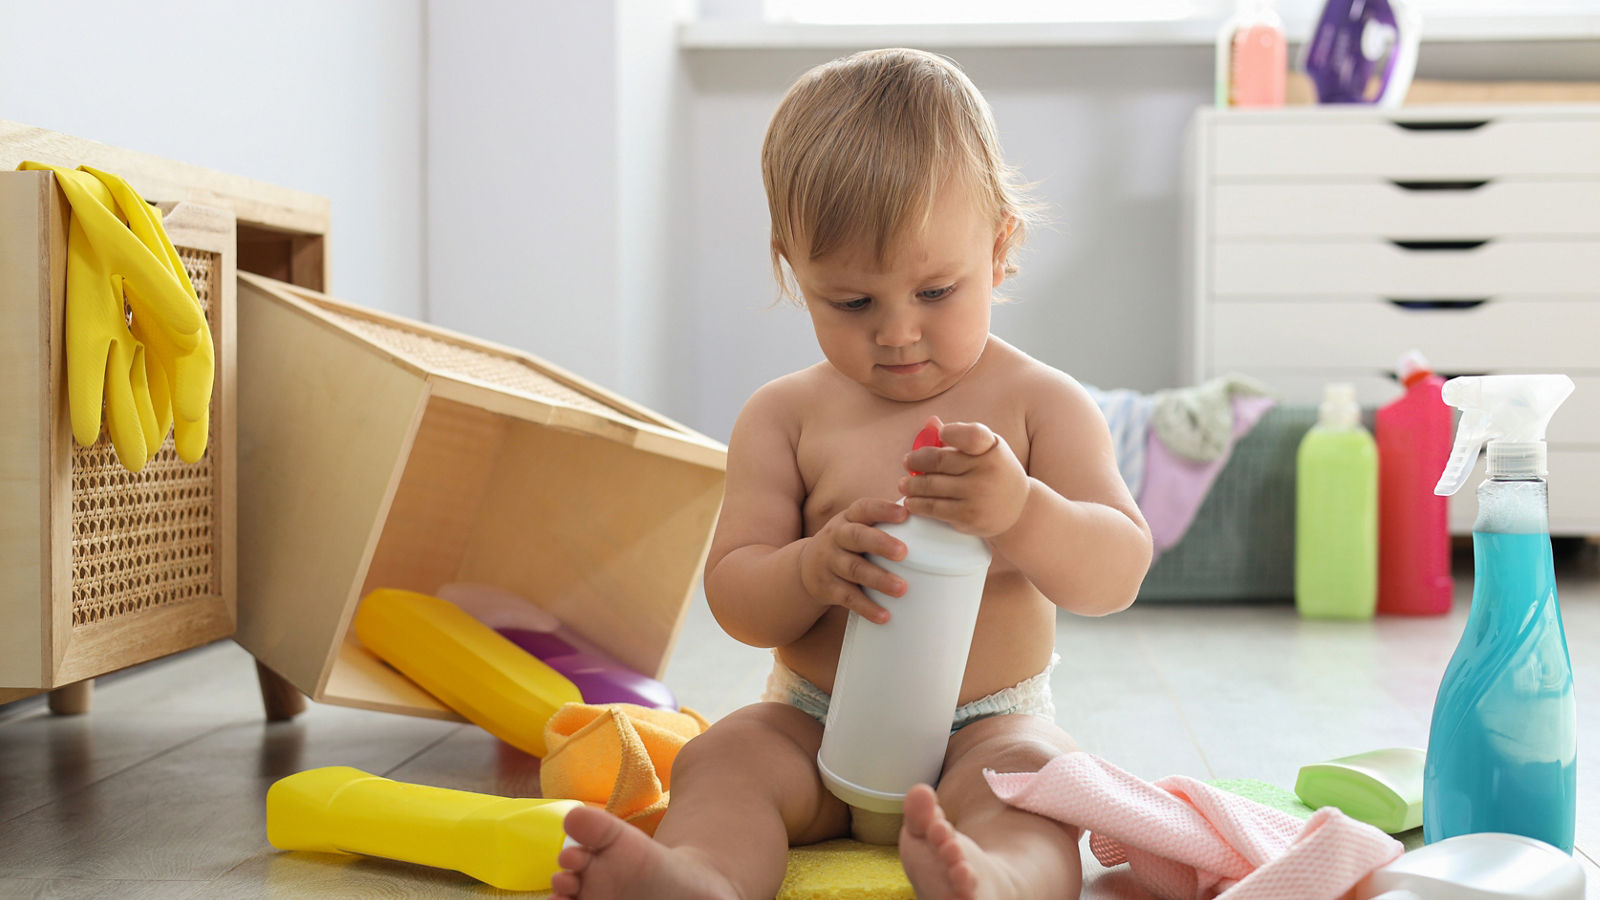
[465,664]
[510,843]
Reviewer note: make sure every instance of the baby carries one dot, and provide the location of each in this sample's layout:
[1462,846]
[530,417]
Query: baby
[897,217]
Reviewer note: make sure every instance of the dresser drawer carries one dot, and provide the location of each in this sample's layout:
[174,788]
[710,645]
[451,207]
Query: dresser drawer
[1387,269]
[1434,209]
[1470,144]
[1515,334]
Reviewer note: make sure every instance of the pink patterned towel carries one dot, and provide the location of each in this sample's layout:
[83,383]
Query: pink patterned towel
[1186,840]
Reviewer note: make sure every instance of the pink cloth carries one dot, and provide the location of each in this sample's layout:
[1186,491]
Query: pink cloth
[1175,487]
[1186,840]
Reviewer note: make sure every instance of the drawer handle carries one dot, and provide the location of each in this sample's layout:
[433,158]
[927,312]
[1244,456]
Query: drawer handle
[1430,246]
[1443,124]
[1431,303]
[1439,185]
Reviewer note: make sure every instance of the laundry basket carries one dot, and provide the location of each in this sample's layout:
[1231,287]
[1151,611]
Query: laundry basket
[1241,543]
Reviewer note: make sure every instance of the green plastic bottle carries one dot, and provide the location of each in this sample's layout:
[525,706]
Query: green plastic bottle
[1336,513]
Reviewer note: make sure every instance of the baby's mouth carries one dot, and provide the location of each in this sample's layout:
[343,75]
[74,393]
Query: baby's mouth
[907,369]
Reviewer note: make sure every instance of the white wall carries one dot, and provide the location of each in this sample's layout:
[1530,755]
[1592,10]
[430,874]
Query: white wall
[552,150]
[320,97]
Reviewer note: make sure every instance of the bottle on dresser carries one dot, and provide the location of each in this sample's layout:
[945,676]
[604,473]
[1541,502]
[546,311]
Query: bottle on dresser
[1252,57]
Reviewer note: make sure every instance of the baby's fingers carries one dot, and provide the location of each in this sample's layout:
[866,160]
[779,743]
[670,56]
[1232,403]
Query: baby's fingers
[871,511]
[867,539]
[849,595]
[859,570]
[971,438]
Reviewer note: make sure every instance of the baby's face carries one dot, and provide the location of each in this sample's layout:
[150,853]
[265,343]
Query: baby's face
[911,328]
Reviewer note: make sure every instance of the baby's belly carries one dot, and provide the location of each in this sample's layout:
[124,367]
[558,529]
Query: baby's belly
[1013,641]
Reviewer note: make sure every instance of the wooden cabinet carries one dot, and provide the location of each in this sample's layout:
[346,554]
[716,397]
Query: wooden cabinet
[102,568]
[1325,242]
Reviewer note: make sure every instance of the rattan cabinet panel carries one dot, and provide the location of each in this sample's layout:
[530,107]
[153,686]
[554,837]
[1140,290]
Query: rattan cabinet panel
[104,567]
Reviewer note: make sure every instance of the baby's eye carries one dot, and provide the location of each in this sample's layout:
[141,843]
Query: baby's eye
[936,293]
[853,305]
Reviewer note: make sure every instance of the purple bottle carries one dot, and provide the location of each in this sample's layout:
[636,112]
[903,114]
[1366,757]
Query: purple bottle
[598,677]
[1352,40]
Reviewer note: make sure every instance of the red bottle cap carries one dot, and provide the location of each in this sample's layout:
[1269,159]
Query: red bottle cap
[1412,368]
[927,437]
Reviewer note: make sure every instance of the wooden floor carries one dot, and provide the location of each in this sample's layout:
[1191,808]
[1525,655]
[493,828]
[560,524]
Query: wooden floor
[158,792]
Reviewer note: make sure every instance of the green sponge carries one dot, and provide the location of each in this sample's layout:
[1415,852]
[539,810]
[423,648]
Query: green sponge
[1380,787]
[1265,794]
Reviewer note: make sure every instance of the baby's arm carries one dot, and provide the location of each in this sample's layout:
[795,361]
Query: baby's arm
[1067,521]
[766,582]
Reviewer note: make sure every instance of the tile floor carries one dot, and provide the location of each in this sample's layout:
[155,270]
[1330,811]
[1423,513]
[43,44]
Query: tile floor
[158,791]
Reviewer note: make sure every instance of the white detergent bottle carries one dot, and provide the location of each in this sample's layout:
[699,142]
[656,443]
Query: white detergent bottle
[1502,747]
[897,685]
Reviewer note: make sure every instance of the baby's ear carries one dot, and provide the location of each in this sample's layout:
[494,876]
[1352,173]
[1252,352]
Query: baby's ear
[1002,247]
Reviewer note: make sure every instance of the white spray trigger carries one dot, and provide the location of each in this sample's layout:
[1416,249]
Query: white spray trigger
[1509,413]
[1470,435]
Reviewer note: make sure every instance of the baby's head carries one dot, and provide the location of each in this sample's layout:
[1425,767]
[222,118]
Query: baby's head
[860,148]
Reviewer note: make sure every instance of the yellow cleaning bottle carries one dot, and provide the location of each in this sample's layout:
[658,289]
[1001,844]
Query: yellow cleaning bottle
[483,676]
[1336,513]
[510,843]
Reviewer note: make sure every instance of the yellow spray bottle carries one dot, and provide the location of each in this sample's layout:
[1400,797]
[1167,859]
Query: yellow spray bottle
[510,843]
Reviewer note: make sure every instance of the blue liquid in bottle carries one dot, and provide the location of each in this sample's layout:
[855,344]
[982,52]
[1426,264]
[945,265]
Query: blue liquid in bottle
[1502,750]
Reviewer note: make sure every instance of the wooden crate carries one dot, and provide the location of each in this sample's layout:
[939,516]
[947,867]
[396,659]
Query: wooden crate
[101,568]
[379,452]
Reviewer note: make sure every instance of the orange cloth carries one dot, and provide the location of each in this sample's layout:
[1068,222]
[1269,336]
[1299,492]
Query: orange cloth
[616,755]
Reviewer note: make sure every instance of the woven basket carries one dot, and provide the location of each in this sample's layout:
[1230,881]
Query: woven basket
[1241,543]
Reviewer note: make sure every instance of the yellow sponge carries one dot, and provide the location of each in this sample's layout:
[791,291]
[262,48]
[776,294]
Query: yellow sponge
[845,870]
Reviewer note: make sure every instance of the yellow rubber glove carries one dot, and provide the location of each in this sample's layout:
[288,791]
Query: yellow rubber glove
[185,369]
[163,364]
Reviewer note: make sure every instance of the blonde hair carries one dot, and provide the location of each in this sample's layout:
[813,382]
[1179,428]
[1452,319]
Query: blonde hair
[860,146]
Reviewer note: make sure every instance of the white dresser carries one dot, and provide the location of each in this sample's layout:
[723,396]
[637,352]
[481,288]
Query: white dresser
[1325,242]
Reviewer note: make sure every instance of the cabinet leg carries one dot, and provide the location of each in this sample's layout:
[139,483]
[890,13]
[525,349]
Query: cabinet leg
[283,701]
[72,699]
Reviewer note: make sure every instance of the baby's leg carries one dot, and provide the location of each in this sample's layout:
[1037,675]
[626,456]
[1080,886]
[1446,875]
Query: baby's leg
[964,842]
[741,794]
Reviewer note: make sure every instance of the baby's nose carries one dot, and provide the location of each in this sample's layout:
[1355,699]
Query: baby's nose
[898,330]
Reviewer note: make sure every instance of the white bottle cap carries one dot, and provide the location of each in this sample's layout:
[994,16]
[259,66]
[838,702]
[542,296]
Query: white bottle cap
[1339,408]
[1514,460]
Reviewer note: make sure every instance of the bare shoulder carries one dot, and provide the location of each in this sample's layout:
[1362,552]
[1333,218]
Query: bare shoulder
[1050,398]
[780,404]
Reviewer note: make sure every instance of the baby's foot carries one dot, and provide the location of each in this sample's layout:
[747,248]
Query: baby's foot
[616,861]
[943,863]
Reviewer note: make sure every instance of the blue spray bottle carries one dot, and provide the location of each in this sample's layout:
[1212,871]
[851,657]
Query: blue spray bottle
[1502,749]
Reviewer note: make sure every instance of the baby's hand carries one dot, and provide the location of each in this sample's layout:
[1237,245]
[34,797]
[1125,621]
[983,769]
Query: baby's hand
[833,569]
[974,482]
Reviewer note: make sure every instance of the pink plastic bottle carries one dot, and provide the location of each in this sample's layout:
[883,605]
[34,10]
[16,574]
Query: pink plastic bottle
[1252,57]
[1414,437]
